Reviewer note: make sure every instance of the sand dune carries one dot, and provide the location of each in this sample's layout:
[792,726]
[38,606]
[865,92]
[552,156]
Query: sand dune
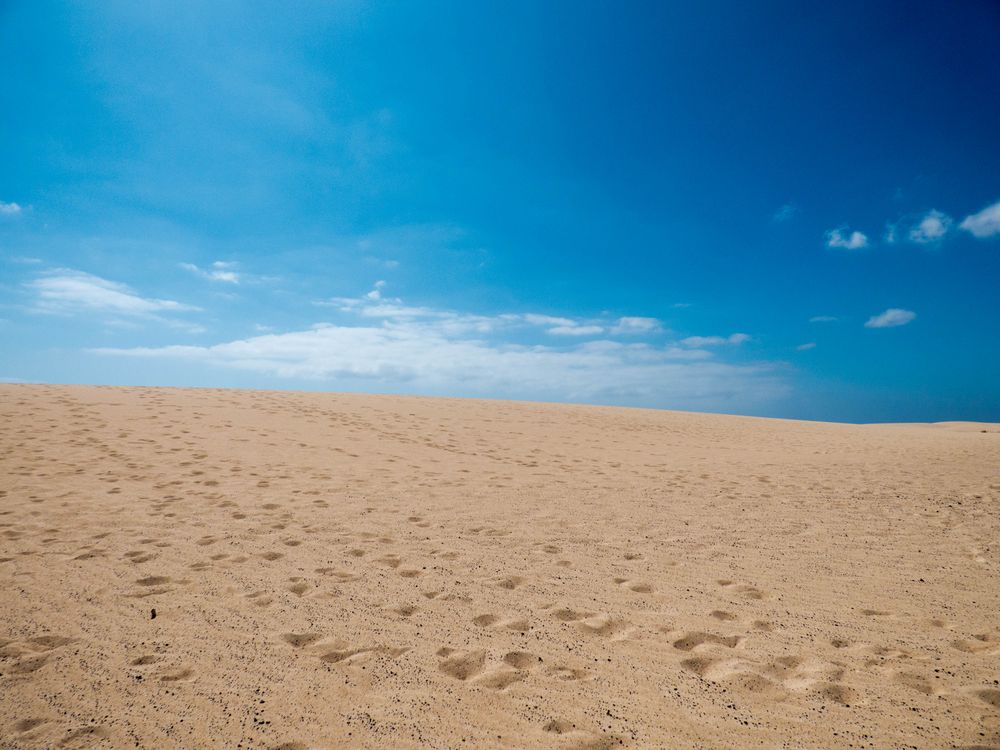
[369,571]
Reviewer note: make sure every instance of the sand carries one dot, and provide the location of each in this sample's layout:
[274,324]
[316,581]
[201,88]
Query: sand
[375,571]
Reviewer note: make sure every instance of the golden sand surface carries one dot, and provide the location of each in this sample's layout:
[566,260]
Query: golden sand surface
[336,570]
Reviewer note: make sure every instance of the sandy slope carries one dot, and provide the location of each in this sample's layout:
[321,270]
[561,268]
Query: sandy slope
[333,571]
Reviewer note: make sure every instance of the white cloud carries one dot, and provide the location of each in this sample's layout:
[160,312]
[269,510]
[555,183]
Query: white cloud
[891,235]
[388,345]
[542,320]
[632,325]
[374,305]
[891,318]
[426,359]
[842,238]
[699,341]
[67,291]
[785,213]
[576,330]
[376,292]
[822,319]
[806,347]
[220,271]
[9,209]
[984,224]
[931,228]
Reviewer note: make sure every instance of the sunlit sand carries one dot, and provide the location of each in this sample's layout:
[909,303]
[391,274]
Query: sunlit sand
[335,571]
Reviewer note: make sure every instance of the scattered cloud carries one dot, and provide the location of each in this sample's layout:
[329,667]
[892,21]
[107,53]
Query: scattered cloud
[983,224]
[891,318]
[845,239]
[636,325]
[823,319]
[420,359]
[9,209]
[806,347]
[219,271]
[376,292]
[374,304]
[387,344]
[785,213]
[931,228]
[65,291]
[576,330]
[891,236]
[701,341]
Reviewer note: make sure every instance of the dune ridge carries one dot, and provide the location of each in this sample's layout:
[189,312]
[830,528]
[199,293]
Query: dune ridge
[220,568]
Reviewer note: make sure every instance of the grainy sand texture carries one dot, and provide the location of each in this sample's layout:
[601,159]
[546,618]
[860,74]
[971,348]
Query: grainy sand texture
[373,571]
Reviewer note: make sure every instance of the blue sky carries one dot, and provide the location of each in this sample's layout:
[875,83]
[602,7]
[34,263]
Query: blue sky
[768,208]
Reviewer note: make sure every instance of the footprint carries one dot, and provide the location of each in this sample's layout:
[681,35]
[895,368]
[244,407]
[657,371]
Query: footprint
[989,696]
[185,674]
[341,575]
[690,641]
[464,665]
[569,674]
[510,582]
[85,737]
[565,614]
[26,725]
[982,643]
[637,586]
[299,588]
[300,640]
[580,739]
[153,580]
[522,659]
[743,589]
[606,626]
[720,614]
[32,664]
[354,655]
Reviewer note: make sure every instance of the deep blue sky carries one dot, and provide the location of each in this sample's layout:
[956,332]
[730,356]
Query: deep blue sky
[629,203]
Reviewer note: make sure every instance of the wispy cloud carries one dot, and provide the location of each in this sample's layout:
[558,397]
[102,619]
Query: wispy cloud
[985,223]
[636,325]
[806,347]
[891,318]
[823,319]
[734,339]
[219,271]
[9,209]
[374,304]
[931,228]
[65,290]
[425,359]
[576,330]
[391,345]
[785,213]
[845,239]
